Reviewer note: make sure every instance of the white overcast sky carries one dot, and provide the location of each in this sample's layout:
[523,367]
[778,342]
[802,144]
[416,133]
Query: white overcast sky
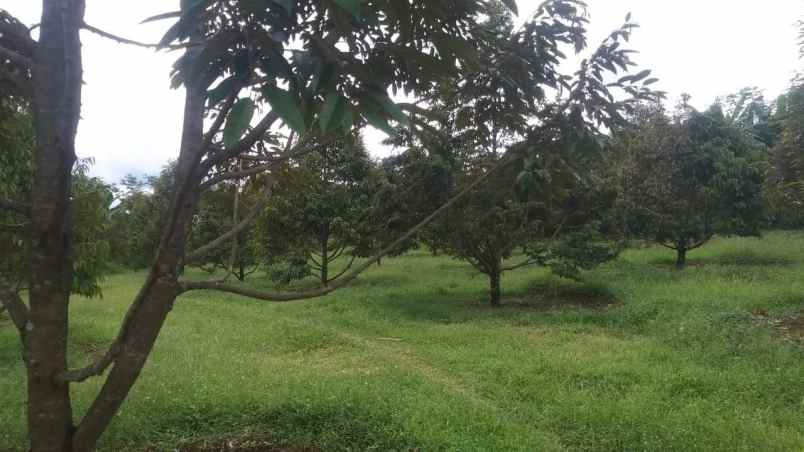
[131,118]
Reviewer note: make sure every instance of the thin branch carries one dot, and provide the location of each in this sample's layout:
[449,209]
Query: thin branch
[17,309]
[346,269]
[235,231]
[284,297]
[224,111]
[121,40]
[256,134]
[290,152]
[520,265]
[670,247]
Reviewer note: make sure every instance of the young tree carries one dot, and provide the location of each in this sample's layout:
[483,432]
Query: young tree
[317,213]
[690,178]
[491,119]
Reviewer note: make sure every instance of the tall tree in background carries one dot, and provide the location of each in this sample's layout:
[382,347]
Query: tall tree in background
[690,178]
[786,181]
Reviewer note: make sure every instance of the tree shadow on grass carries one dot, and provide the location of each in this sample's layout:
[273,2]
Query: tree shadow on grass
[547,296]
[461,306]
[292,427]
[746,258]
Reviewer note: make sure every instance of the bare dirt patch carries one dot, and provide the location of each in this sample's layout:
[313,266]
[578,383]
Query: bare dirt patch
[789,328]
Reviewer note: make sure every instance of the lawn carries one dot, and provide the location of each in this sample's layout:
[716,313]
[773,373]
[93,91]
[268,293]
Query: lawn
[638,356]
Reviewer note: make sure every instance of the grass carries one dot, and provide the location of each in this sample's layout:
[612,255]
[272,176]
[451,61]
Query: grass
[636,357]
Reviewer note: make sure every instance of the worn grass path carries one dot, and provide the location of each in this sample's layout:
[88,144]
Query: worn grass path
[637,357]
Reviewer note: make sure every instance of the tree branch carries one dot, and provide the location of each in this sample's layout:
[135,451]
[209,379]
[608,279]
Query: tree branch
[235,231]
[296,151]
[256,134]
[518,266]
[121,40]
[17,309]
[224,111]
[346,269]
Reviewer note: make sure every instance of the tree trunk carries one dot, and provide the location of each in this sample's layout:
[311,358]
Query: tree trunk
[325,256]
[681,258]
[494,289]
[156,298]
[57,78]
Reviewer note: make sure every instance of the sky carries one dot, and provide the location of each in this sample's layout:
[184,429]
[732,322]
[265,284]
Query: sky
[131,119]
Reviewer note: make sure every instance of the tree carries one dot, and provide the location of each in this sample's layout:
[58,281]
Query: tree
[786,180]
[690,178]
[317,213]
[490,119]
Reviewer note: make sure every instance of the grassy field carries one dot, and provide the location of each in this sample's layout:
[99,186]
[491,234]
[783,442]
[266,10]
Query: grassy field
[637,357]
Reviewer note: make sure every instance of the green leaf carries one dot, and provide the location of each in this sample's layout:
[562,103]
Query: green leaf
[171,35]
[217,94]
[376,120]
[238,121]
[334,107]
[286,106]
[641,75]
[391,108]
[170,15]
[352,6]
[511,4]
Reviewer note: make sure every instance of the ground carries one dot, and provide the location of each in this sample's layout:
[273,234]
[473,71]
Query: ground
[638,356]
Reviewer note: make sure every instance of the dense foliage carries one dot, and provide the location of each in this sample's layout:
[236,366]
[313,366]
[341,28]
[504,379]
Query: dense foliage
[685,179]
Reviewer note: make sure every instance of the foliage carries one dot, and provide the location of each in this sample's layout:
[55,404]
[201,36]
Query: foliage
[137,217]
[685,180]
[786,182]
[219,210]
[91,201]
[318,213]
[502,117]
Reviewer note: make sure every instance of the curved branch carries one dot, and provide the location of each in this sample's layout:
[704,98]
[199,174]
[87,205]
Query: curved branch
[256,134]
[15,306]
[520,265]
[346,269]
[235,231]
[121,40]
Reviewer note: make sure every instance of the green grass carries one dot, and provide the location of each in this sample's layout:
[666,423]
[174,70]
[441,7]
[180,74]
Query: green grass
[412,357]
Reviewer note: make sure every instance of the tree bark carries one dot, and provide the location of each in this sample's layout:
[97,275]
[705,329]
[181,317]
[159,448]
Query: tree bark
[57,78]
[494,288]
[325,256]
[681,258]
[156,298]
